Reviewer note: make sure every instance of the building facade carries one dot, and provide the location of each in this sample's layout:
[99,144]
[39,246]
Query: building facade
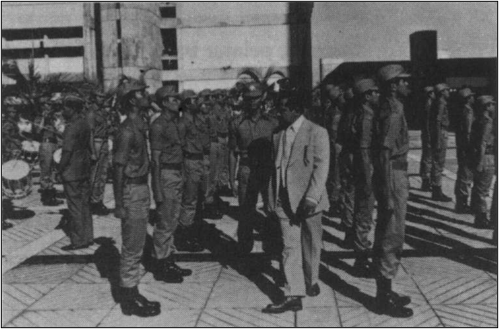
[188,45]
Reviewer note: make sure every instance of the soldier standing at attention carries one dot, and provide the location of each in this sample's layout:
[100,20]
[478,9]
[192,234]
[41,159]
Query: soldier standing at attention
[196,151]
[332,117]
[75,172]
[440,124]
[426,157]
[132,197]
[392,183]
[368,99]
[167,135]
[252,139]
[463,134]
[483,140]
[97,121]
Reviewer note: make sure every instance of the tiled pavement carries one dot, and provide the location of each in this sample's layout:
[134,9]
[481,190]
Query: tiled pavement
[449,269]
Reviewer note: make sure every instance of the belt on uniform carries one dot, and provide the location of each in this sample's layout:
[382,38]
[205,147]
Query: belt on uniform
[399,165]
[193,156]
[49,140]
[171,166]
[136,180]
[223,135]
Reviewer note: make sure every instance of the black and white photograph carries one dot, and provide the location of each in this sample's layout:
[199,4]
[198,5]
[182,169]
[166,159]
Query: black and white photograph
[249,164]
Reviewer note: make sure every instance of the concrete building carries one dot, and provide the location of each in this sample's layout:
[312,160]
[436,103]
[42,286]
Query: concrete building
[185,44]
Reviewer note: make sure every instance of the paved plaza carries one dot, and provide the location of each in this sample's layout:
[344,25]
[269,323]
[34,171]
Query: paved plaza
[449,268]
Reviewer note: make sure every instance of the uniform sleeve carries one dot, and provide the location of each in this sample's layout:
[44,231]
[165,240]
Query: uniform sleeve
[122,144]
[70,138]
[232,134]
[366,133]
[155,137]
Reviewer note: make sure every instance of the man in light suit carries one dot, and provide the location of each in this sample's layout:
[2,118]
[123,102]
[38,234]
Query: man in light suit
[298,196]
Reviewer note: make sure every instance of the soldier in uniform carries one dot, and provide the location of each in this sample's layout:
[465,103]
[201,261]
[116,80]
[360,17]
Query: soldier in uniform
[251,138]
[391,181]
[463,133]
[362,126]
[48,145]
[166,136]
[332,117]
[97,120]
[132,196]
[439,125]
[220,116]
[426,157]
[483,140]
[196,170]
[75,173]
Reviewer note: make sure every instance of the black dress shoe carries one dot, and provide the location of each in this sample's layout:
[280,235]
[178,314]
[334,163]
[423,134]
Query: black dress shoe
[99,209]
[290,303]
[138,305]
[313,290]
[388,304]
[71,247]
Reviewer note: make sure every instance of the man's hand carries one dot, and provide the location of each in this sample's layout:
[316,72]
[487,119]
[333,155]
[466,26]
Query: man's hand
[306,208]
[119,212]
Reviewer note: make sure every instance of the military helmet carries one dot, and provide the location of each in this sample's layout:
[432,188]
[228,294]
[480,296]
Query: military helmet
[441,87]
[165,91]
[253,90]
[392,71]
[364,85]
[186,94]
[129,87]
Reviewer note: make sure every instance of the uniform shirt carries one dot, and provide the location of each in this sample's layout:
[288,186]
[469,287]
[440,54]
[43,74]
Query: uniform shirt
[98,122]
[76,140]
[440,114]
[463,129]
[346,136]
[425,124]
[332,120]
[167,137]
[392,132]
[130,147]
[253,139]
[362,129]
[198,133]
[221,117]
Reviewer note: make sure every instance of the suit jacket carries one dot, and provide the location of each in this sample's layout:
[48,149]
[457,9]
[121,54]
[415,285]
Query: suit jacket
[307,168]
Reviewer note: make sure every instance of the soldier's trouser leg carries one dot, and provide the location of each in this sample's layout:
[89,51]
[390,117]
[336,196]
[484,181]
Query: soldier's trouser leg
[46,159]
[99,171]
[333,183]
[136,201]
[214,173]
[464,179]
[438,163]
[426,159]
[390,228]
[364,205]
[482,181]
[81,230]
[248,197]
[223,162]
[194,171]
[168,213]
[493,212]
[207,187]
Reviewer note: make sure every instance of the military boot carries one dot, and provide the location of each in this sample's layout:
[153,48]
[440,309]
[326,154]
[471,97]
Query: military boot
[166,272]
[185,240]
[99,209]
[362,266]
[462,206]
[426,185]
[481,221]
[438,195]
[49,198]
[211,211]
[390,303]
[133,303]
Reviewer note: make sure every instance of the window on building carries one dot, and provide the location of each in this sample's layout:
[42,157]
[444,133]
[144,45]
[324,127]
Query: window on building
[70,32]
[168,12]
[169,37]
[173,83]
[170,64]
